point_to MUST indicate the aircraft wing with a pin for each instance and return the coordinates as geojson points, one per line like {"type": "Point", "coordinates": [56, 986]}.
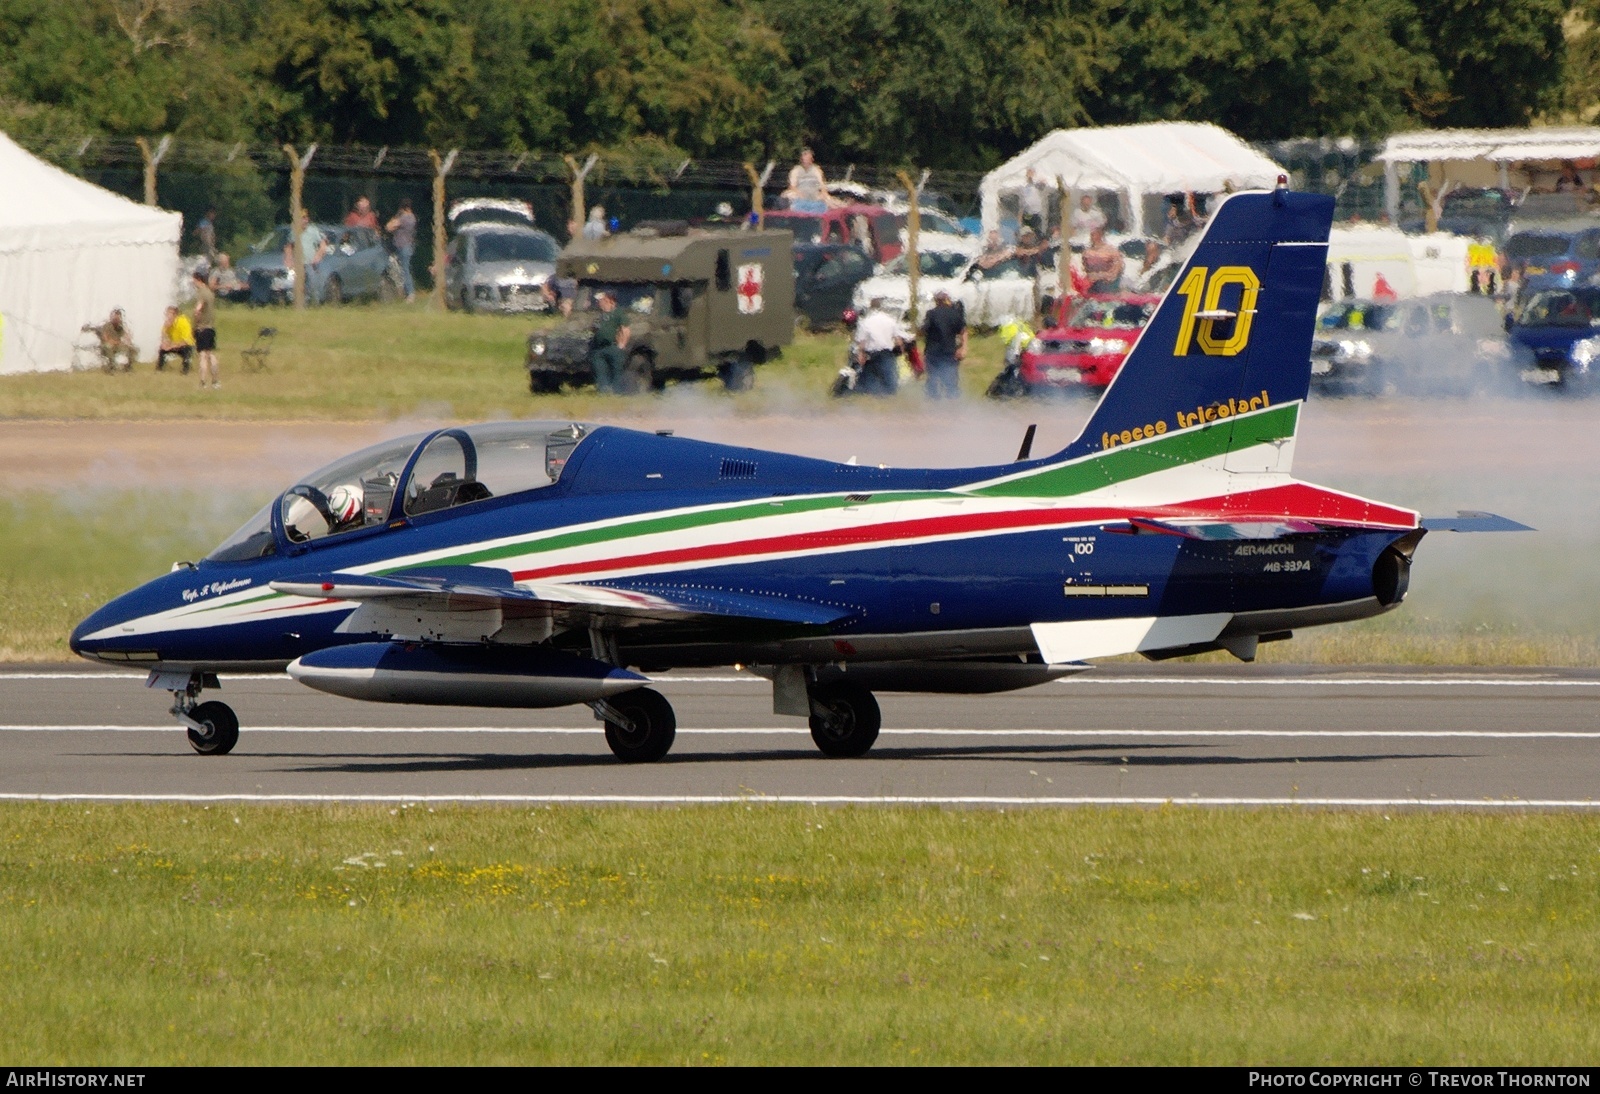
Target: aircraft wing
{"type": "Point", "coordinates": [1189, 528]}
{"type": "Point", "coordinates": [460, 602]}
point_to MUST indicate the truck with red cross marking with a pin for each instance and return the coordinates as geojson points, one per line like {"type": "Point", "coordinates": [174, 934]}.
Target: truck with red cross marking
{"type": "Point", "coordinates": [698, 303]}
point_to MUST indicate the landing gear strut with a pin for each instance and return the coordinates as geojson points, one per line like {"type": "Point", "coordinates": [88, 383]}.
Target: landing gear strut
{"type": "Point", "coordinates": [640, 725]}
{"type": "Point", "coordinates": [212, 727]}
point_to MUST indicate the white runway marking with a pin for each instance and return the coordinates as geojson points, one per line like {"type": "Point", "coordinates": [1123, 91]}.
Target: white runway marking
{"type": "Point", "coordinates": [1073, 681]}
{"type": "Point", "coordinates": [800, 731]}
{"type": "Point", "coordinates": [816, 799]}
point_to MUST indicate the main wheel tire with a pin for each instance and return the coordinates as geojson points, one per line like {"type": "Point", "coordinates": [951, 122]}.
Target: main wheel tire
{"type": "Point", "coordinates": [542, 383]}
{"type": "Point", "coordinates": [850, 726]}
{"type": "Point", "coordinates": [334, 293]}
{"type": "Point", "coordinates": [1007, 385]}
{"type": "Point", "coordinates": [222, 725]}
{"type": "Point", "coordinates": [653, 730]}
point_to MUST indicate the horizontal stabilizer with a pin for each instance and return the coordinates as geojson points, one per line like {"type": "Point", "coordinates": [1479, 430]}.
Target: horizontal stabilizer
{"type": "Point", "coordinates": [1468, 520]}
{"type": "Point", "coordinates": [1217, 529]}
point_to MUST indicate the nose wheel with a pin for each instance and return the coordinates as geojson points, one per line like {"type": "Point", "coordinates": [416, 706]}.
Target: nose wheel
{"type": "Point", "coordinates": [212, 727]}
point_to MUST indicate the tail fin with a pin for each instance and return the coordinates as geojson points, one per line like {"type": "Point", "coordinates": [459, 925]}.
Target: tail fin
{"type": "Point", "coordinates": [1233, 334]}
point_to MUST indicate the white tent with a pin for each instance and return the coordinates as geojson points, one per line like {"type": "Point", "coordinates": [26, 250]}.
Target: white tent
{"type": "Point", "coordinates": [1133, 160]}
{"type": "Point", "coordinates": [1486, 157]}
{"type": "Point", "coordinates": [69, 253]}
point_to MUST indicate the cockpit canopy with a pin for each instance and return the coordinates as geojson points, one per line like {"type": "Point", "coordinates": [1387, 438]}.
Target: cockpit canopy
{"type": "Point", "coordinates": [408, 477]}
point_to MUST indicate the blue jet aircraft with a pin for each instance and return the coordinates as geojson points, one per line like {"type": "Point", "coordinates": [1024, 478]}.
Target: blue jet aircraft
{"type": "Point", "coordinates": [538, 564]}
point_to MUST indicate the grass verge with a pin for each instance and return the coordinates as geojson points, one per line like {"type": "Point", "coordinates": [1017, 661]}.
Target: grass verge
{"type": "Point", "coordinates": [161, 935]}
{"type": "Point", "coordinates": [381, 362]}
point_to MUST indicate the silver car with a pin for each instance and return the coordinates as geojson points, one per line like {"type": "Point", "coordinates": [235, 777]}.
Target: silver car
{"type": "Point", "coordinates": [499, 267]}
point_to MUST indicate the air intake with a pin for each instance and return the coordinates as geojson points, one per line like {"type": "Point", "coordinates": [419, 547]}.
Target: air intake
{"type": "Point", "coordinates": [738, 469]}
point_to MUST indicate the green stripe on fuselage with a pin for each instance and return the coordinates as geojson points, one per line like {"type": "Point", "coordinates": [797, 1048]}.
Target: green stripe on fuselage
{"type": "Point", "coordinates": [1147, 457]}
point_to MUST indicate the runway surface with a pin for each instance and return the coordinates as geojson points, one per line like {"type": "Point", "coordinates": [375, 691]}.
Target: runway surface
{"type": "Point", "coordinates": [1190, 734]}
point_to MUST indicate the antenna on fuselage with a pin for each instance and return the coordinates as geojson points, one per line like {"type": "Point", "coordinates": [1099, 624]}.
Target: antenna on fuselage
{"type": "Point", "coordinates": [1027, 443]}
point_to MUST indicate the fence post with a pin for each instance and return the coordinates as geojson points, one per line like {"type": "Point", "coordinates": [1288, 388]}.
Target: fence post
{"type": "Point", "coordinates": [913, 230]}
{"type": "Point", "coordinates": [297, 179]}
{"type": "Point", "coordinates": [579, 210]}
{"type": "Point", "coordinates": [152, 160]}
{"type": "Point", "coordinates": [441, 168]}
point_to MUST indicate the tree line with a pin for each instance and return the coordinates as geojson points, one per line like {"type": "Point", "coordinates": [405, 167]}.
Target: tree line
{"type": "Point", "coordinates": [939, 83]}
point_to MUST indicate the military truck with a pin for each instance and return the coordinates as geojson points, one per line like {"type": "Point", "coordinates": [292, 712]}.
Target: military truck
{"type": "Point", "coordinates": [699, 303]}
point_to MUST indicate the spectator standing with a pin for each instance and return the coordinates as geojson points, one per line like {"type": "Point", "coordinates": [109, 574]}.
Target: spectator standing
{"type": "Point", "coordinates": [595, 227]}
{"type": "Point", "coordinates": [608, 347]}
{"type": "Point", "coordinates": [313, 247]}
{"type": "Point", "coordinates": [362, 216]}
{"type": "Point", "coordinates": [1102, 264]}
{"type": "Point", "coordinates": [205, 330]}
{"type": "Point", "coordinates": [177, 339]}
{"type": "Point", "coordinates": [1087, 217]}
{"type": "Point", "coordinates": [808, 187]}
{"type": "Point", "coordinates": [944, 346]}
{"type": "Point", "coordinates": [402, 229]}
{"type": "Point", "coordinates": [206, 233]}
{"type": "Point", "coordinates": [878, 335]}
{"type": "Point", "coordinates": [1031, 205]}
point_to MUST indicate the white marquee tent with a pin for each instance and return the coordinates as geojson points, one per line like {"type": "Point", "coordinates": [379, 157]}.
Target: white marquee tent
{"type": "Point", "coordinates": [69, 253]}
{"type": "Point", "coordinates": [1133, 161]}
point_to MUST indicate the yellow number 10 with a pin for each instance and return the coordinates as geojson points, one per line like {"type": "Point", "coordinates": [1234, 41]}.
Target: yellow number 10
{"type": "Point", "coordinates": [1202, 299]}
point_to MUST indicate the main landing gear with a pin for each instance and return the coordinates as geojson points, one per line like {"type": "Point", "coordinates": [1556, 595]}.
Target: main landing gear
{"type": "Point", "coordinates": [844, 718]}
{"type": "Point", "coordinates": [640, 725]}
{"type": "Point", "coordinates": [212, 727]}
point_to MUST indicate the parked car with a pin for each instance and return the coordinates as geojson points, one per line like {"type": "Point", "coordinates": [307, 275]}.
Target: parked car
{"type": "Point", "coordinates": [825, 276]}
{"type": "Point", "coordinates": [1555, 337]}
{"type": "Point", "coordinates": [1545, 257]}
{"type": "Point", "coordinates": [470, 211]}
{"type": "Point", "coordinates": [1083, 352]}
{"type": "Point", "coordinates": [357, 266]}
{"type": "Point", "coordinates": [494, 266]}
{"type": "Point", "coordinates": [872, 228]}
{"type": "Point", "coordinates": [1443, 344]}
{"type": "Point", "coordinates": [1473, 211]}
{"type": "Point", "coordinates": [1008, 289]}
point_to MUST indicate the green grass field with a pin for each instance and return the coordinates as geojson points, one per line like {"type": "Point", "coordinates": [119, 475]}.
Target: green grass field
{"type": "Point", "coordinates": [380, 362]}
{"type": "Point", "coordinates": [160, 935]}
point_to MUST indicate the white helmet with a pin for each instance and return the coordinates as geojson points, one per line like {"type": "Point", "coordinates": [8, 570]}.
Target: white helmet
{"type": "Point", "coordinates": [345, 502]}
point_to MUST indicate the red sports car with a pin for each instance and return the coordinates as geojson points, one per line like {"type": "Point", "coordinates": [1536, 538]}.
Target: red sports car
{"type": "Point", "coordinates": [1084, 352]}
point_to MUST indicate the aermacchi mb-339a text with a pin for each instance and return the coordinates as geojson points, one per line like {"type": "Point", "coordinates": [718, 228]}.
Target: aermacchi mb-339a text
{"type": "Point", "coordinates": [537, 564]}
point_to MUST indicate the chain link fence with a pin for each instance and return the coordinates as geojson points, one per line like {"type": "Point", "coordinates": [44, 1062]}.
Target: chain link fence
{"type": "Point", "coordinates": [248, 184]}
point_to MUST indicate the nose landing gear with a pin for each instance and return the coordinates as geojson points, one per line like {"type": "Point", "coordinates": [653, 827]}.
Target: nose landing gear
{"type": "Point", "coordinates": [212, 727]}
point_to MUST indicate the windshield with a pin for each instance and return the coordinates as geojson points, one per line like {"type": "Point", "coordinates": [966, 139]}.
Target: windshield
{"type": "Point", "coordinates": [633, 298]}
{"type": "Point", "coordinates": [274, 241]}
{"type": "Point", "coordinates": [1563, 308]}
{"type": "Point", "coordinates": [515, 247]}
{"type": "Point", "coordinates": [1527, 245]}
{"type": "Point", "coordinates": [1112, 314]}
{"type": "Point", "coordinates": [252, 540]}
{"type": "Point", "coordinates": [461, 466]}
{"type": "Point", "coordinates": [805, 229]}
{"type": "Point", "coordinates": [931, 263]}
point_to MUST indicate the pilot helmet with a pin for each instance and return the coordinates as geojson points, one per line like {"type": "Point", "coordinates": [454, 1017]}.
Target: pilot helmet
{"type": "Point", "coordinates": [345, 502]}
